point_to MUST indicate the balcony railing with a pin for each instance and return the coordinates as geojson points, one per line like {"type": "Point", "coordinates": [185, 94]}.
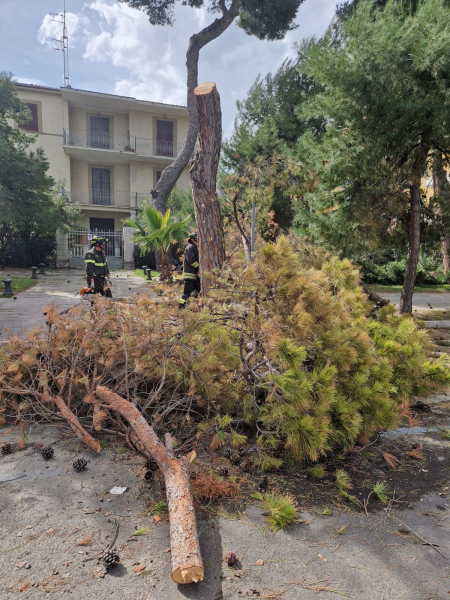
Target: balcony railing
{"type": "Point", "coordinates": [102, 197]}
{"type": "Point", "coordinates": [121, 143]}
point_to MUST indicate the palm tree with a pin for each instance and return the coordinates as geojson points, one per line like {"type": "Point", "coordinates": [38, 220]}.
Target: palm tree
{"type": "Point", "coordinates": [156, 231]}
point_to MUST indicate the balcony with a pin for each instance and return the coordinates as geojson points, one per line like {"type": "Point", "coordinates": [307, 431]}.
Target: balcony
{"type": "Point", "coordinates": [105, 198]}
{"type": "Point", "coordinates": [124, 145]}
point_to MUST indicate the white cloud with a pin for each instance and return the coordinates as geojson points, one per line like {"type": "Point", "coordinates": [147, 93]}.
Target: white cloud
{"type": "Point", "coordinates": [29, 80]}
{"type": "Point", "coordinates": [128, 41]}
{"type": "Point", "coordinates": [51, 28]}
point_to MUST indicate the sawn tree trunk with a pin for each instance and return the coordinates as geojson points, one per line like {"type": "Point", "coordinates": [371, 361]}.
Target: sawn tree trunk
{"type": "Point", "coordinates": [187, 564]}
{"type": "Point", "coordinates": [203, 173]}
{"type": "Point", "coordinates": [414, 246]}
{"type": "Point", "coordinates": [171, 173]}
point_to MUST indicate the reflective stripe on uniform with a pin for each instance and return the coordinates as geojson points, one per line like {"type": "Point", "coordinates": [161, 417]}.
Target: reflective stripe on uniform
{"type": "Point", "coordinates": [190, 276]}
{"type": "Point", "coordinates": [182, 301]}
{"type": "Point", "coordinates": [195, 264]}
{"type": "Point", "coordinates": [89, 261]}
{"type": "Point", "coordinates": [98, 264]}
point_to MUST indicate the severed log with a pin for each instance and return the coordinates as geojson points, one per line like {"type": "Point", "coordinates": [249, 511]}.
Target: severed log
{"type": "Point", "coordinates": [203, 174]}
{"type": "Point", "coordinates": [187, 564]}
{"type": "Point", "coordinates": [64, 411]}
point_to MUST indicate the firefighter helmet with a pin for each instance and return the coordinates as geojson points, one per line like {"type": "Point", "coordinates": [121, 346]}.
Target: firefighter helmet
{"type": "Point", "coordinates": [98, 240]}
{"type": "Point", "coordinates": [192, 236]}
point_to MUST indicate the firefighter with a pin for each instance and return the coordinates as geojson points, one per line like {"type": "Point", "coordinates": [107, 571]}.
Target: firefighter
{"type": "Point", "coordinates": [190, 270]}
{"type": "Point", "coordinates": [97, 272]}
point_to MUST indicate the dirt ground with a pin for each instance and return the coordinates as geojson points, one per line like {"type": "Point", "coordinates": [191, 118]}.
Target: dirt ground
{"type": "Point", "coordinates": [54, 522]}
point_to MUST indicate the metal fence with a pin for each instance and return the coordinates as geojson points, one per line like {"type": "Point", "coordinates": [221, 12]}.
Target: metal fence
{"type": "Point", "coordinates": [121, 143]}
{"type": "Point", "coordinates": [99, 197]}
{"type": "Point", "coordinates": [80, 242]}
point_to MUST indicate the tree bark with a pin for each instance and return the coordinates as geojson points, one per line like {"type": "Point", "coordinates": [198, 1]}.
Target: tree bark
{"type": "Point", "coordinates": [442, 190]}
{"type": "Point", "coordinates": [187, 564]}
{"type": "Point", "coordinates": [414, 245]}
{"type": "Point", "coordinates": [203, 173]}
{"type": "Point", "coordinates": [64, 411]}
{"type": "Point", "coordinates": [172, 172]}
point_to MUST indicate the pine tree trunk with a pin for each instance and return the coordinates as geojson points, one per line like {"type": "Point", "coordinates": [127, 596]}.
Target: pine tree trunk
{"type": "Point", "coordinates": [442, 190]}
{"type": "Point", "coordinates": [187, 564]}
{"type": "Point", "coordinates": [171, 173]}
{"type": "Point", "coordinates": [413, 248]}
{"type": "Point", "coordinates": [203, 174]}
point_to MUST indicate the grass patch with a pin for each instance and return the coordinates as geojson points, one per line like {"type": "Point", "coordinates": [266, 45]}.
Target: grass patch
{"type": "Point", "coordinates": [418, 288]}
{"type": "Point", "coordinates": [280, 510]}
{"type": "Point", "coordinates": [140, 273]}
{"type": "Point", "coordinates": [19, 284]}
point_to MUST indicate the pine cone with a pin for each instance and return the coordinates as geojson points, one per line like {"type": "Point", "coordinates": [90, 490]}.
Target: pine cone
{"type": "Point", "coordinates": [193, 475]}
{"type": "Point", "coordinates": [230, 558]}
{"type": "Point", "coordinates": [79, 464]}
{"type": "Point", "coordinates": [223, 471]}
{"type": "Point", "coordinates": [6, 449]}
{"type": "Point", "coordinates": [110, 558]}
{"type": "Point", "coordinates": [422, 406]}
{"type": "Point", "coordinates": [47, 452]}
{"type": "Point", "coordinates": [242, 450]}
{"type": "Point", "coordinates": [148, 476]}
{"type": "Point", "coordinates": [151, 465]}
{"type": "Point", "coordinates": [263, 484]}
{"type": "Point", "coordinates": [227, 452]}
{"type": "Point", "coordinates": [416, 446]}
{"type": "Point", "coordinates": [247, 465]}
{"type": "Point", "coordinates": [235, 459]}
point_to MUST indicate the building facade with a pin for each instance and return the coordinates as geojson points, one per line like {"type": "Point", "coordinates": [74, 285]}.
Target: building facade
{"type": "Point", "coordinates": [106, 154]}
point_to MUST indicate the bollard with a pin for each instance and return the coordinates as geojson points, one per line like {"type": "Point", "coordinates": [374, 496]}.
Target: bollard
{"type": "Point", "coordinates": [42, 265]}
{"type": "Point", "coordinates": [8, 290]}
{"type": "Point", "coordinates": [144, 269]}
{"type": "Point", "coordinates": [160, 292]}
{"type": "Point", "coordinates": [34, 273]}
{"type": "Point", "coordinates": [149, 275]}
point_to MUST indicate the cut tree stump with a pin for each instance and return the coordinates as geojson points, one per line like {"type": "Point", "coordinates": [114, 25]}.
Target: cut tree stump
{"type": "Point", "coordinates": [203, 174]}
{"type": "Point", "coordinates": [187, 564]}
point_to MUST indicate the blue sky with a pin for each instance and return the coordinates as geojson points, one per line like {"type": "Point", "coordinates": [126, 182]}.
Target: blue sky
{"type": "Point", "coordinates": [114, 49]}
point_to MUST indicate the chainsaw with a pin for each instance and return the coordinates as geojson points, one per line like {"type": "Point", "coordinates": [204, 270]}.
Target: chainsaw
{"type": "Point", "coordinates": [87, 290]}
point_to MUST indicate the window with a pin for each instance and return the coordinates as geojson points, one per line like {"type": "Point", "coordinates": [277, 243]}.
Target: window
{"type": "Point", "coordinates": [158, 176]}
{"type": "Point", "coordinates": [164, 138]}
{"type": "Point", "coordinates": [100, 137]}
{"type": "Point", "coordinates": [32, 125]}
{"type": "Point", "coordinates": [101, 186]}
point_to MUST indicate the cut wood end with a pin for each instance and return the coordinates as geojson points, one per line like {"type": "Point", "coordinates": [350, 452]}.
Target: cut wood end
{"type": "Point", "coordinates": [190, 575]}
{"type": "Point", "coordinates": [204, 88]}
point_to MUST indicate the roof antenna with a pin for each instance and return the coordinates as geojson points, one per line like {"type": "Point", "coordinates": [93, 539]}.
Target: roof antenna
{"type": "Point", "coordinates": [63, 43]}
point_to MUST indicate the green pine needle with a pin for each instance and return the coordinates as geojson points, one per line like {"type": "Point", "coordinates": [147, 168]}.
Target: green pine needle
{"type": "Point", "coordinates": [159, 508]}
{"type": "Point", "coordinates": [280, 510]}
{"type": "Point", "coordinates": [317, 471]}
{"type": "Point", "coordinates": [380, 490]}
{"type": "Point", "coordinates": [141, 531]}
{"type": "Point", "coordinates": [343, 481]}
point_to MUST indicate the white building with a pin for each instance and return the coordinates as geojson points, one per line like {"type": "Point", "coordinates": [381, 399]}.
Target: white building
{"type": "Point", "coordinates": [106, 152]}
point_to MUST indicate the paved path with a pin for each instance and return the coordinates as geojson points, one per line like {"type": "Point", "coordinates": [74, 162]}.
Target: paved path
{"type": "Point", "coordinates": [60, 287]}
{"type": "Point", "coordinates": [422, 300]}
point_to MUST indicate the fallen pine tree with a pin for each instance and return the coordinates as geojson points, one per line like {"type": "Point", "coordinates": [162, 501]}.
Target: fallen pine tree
{"type": "Point", "coordinates": [287, 350]}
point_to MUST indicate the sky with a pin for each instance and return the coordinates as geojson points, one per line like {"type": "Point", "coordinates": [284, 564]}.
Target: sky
{"type": "Point", "coordinates": [114, 49]}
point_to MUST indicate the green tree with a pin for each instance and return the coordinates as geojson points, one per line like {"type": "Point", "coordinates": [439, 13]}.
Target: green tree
{"type": "Point", "coordinates": [386, 103]}
{"type": "Point", "coordinates": [265, 19]}
{"type": "Point", "coordinates": [256, 160]}
{"type": "Point", "coordinates": [29, 206]}
{"type": "Point", "coordinates": [157, 231]}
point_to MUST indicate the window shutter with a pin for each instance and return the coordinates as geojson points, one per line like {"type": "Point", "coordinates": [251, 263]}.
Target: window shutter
{"type": "Point", "coordinates": [32, 125]}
